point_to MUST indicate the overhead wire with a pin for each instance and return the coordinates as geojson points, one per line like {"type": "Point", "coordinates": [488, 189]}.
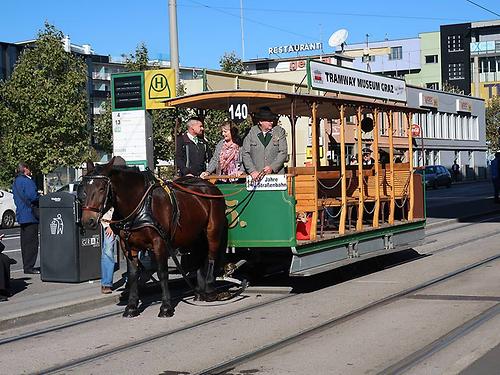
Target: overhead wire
{"type": "Point", "coordinates": [267, 10]}
{"type": "Point", "coordinates": [480, 6]}
{"type": "Point", "coordinates": [220, 10]}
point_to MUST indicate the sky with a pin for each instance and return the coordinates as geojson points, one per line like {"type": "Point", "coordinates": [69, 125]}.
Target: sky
{"type": "Point", "coordinates": [209, 28]}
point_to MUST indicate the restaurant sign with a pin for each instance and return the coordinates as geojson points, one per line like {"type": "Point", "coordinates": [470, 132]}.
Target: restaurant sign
{"type": "Point", "coordinates": [290, 48]}
{"type": "Point", "coordinates": [428, 100]}
{"type": "Point", "coordinates": [464, 105]}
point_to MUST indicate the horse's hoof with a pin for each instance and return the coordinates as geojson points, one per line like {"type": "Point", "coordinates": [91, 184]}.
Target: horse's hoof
{"type": "Point", "coordinates": [211, 297]}
{"type": "Point", "coordinates": [166, 312]}
{"type": "Point", "coordinates": [130, 312]}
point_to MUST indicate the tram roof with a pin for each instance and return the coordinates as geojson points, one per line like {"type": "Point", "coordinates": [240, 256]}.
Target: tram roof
{"type": "Point", "coordinates": [281, 102]}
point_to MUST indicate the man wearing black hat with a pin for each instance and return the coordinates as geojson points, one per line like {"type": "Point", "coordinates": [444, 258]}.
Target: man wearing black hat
{"type": "Point", "coordinates": [265, 148]}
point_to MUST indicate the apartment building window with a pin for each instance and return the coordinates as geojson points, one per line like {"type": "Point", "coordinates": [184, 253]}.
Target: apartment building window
{"type": "Point", "coordinates": [431, 59]}
{"type": "Point", "coordinates": [430, 125]}
{"type": "Point", "coordinates": [432, 85]}
{"type": "Point", "coordinates": [262, 67]}
{"type": "Point", "coordinates": [489, 64]}
{"type": "Point", "coordinates": [458, 127]}
{"type": "Point", "coordinates": [456, 70]}
{"type": "Point", "coordinates": [444, 126]}
{"type": "Point", "coordinates": [465, 127]}
{"type": "Point", "coordinates": [396, 53]}
{"type": "Point", "coordinates": [368, 58]}
{"type": "Point", "coordinates": [437, 126]}
{"type": "Point", "coordinates": [455, 43]}
{"type": "Point", "coordinates": [451, 126]}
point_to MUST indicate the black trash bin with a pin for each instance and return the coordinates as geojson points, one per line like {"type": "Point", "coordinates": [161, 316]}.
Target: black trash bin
{"type": "Point", "coordinates": [68, 253]}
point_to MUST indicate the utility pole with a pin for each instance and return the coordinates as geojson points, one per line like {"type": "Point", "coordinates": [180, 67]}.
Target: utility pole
{"type": "Point", "coordinates": [174, 42]}
{"type": "Point", "coordinates": [242, 34]}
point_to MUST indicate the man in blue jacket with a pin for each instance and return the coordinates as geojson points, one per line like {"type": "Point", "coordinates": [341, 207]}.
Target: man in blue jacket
{"type": "Point", "coordinates": [25, 196]}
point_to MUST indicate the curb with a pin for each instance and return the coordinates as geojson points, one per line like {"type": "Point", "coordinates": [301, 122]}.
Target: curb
{"type": "Point", "coordinates": [57, 312]}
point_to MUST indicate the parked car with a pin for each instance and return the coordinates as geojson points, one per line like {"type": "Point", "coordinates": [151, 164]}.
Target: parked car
{"type": "Point", "coordinates": [7, 209]}
{"type": "Point", "coordinates": [436, 176]}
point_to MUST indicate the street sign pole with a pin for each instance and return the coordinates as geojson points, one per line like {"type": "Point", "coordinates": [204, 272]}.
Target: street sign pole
{"type": "Point", "coordinates": [174, 40]}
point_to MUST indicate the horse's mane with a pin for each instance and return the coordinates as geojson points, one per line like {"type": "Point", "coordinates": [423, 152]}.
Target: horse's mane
{"type": "Point", "coordinates": [122, 168]}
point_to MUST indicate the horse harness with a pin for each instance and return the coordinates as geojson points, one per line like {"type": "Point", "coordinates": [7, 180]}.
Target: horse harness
{"type": "Point", "coordinates": [143, 217]}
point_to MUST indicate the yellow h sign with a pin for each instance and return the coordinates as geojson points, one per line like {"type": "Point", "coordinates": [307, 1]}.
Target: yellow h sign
{"type": "Point", "coordinates": [159, 86]}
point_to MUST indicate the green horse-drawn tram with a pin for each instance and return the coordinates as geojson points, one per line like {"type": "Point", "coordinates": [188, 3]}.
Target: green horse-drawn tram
{"type": "Point", "coordinates": [329, 209]}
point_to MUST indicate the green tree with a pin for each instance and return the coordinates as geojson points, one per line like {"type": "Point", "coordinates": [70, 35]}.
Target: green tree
{"type": "Point", "coordinates": [44, 115]}
{"type": "Point", "coordinates": [138, 61]}
{"type": "Point", "coordinates": [231, 63]}
{"type": "Point", "coordinates": [493, 123]}
{"type": "Point", "coordinates": [214, 118]}
{"type": "Point", "coordinates": [163, 120]}
{"type": "Point", "coordinates": [103, 130]}
{"type": "Point", "coordinates": [448, 87]}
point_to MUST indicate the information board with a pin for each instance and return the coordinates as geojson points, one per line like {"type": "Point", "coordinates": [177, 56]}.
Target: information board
{"type": "Point", "coordinates": [127, 91]}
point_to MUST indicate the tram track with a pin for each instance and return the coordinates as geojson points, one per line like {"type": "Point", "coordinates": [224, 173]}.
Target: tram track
{"type": "Point", "coordinates": [410, 361]}
{"type": "Point", "coordinates": [269, 348]}
{"type": "Point", "coordinates": [405, 364]}
{"type": "Point", "coordinates": [220, 368]}
{"type": "Point", "coordinates": [80, 361]}
{"type": "Point", "coordinates": [119, 311]}
{"type": "Point", "coordinates": [488, 218]}
{"type": "Point", "coordinates": [95, 318]}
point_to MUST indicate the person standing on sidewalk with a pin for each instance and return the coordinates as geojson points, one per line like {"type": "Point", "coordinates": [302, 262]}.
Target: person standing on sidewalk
{"type": "Point", "coordinates": [107, 255]}
{"type": "Point", "coordinates": [455, 169]}
{"type": "Point", "coordinates": [26, 198]}
{"type": "Point", "coordinates": [495, 175]}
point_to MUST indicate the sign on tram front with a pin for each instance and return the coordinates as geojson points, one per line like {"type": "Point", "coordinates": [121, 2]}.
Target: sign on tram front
{"type": "Point", "coordinates": [328, 77]}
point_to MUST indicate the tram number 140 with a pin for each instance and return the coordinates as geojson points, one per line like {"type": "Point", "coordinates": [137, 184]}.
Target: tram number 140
{"type": "Point", "coordinates": [238, 111]}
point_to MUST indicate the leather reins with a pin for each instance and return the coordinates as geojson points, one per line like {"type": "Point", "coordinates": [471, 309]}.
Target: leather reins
{"type": "Point", "coordinates": [204, 195]}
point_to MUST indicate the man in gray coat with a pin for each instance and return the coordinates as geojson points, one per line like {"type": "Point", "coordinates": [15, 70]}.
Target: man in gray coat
{"type": "Point", "coordinates": [265, 148]}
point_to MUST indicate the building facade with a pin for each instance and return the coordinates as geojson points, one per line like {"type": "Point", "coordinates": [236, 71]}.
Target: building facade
{"type": "Point", "coordinates": [485, 59]}
{"type": "Point", "coordinates": [453, 130]}
{"type": "Point", "coordinates": [429, 75]}
{"type": "Point", "coordinates": [396, 58]}
{"type": "Point", "coordinates": [9, 53]}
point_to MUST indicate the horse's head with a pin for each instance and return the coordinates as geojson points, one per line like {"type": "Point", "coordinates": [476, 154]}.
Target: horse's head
{"type": "Point", "coordinates": [94, 193]}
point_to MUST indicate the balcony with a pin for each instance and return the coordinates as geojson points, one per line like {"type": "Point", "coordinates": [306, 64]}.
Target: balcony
{"type": "Point", "coordinates": [101, 76]}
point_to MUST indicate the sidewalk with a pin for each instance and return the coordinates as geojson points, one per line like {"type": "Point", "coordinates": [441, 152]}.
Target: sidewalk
{"type": "Point", "coordinates": [35, 300]}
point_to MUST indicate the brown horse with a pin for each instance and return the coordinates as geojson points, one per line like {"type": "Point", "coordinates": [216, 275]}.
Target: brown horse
{"type": "Point", "coordinates": [157, 217]}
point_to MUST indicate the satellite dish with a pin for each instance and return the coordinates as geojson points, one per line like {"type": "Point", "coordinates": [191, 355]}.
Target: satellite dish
{"type": "Point", "coordinates": [338, 38]}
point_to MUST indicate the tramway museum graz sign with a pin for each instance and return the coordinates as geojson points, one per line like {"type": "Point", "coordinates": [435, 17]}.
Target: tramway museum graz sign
{"type": "Point", "coordinates": [323, 76]}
